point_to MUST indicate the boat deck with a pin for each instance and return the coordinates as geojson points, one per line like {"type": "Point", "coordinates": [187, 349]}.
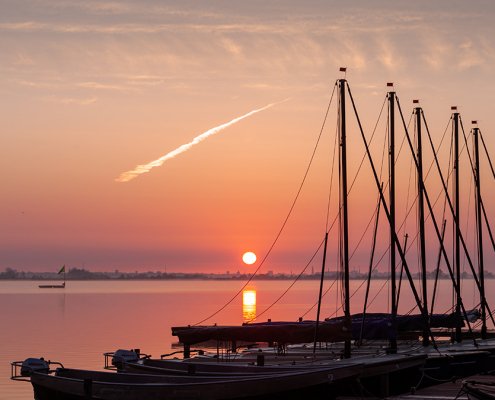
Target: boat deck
{"type": "Point", "coordinates": [444, 391]}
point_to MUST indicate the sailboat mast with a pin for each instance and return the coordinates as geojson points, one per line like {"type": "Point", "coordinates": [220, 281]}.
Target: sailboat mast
{"type": "Point", "coordinates": [321, 291]}
{"type": "Point", "coordinates": [458, 334]}
{"type": "Point", "coordinates": [480, 231]}
{"type": "Point", "coordinates": [343, 151]}
{"type": "Point", "coordinates": [391, 163]}
{"type": "Point", "coordinates": [421, 217]}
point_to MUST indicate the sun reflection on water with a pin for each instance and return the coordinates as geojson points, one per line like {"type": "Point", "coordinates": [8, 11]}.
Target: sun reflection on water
{"type": "Point", "coordinates": [249, 305]}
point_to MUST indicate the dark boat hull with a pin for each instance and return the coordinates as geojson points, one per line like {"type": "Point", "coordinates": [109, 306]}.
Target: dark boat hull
{"type": "Point", "coordinates": [479, 390]}
{"type": "Point", "coordinates": [442, 368]}
{"type": "Point", "coordinates": [51, 286]}
{"type": "Point", "coordinates": [75, 385]}
{"type": "Point", "coordinates": [172, 367]}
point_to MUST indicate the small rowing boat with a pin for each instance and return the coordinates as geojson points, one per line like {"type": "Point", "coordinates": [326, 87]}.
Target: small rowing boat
{"type": "Point", "coordinates": [74, 384]}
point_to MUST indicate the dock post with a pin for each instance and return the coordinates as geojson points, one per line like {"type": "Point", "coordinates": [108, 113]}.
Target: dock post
{"type": "Point", "coordinates": [384, 385]}
{"type": "Point", "coordinates": [187, 351]}
{"type": "Point", "coordinates": [260, 360]}
{"type": "Point", "coordinates": [234, 346]}
{"type": "Point", "coordinates": [88, 389]}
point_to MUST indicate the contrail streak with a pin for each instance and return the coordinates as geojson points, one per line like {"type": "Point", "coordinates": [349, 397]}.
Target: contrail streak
{"type": "Point", "coordinates": [141, 169]}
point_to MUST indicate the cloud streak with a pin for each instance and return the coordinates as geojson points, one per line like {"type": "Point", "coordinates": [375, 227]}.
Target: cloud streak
{"type": "Point", "coordinates": [141, 169]}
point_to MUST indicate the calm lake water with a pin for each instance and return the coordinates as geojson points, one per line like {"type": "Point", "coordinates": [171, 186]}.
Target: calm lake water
{"type": "Point", "coordinates": [76, 325]}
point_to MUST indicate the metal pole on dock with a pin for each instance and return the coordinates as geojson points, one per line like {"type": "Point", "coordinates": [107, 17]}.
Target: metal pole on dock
{"type": "Point", "coordinates": [479, 223]}
{"type": "Point", "coordinates": [343, 150]}
{"type": "Point", "coordinates": [391, 163]}
{"type": "Point", "coordinates": [458, 332]}
{"type": "Point", "coordinates": [421, 217]}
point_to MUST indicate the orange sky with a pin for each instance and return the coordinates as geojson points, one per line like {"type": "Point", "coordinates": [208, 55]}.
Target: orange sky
{"type": "Point", "coordinates": [91, 90]}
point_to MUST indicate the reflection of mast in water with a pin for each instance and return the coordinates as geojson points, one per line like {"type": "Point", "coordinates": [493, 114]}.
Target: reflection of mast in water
{"type": "Point", "coordinates": [61, 303]}
{"type": "Point", "coordinates": [248, 305]}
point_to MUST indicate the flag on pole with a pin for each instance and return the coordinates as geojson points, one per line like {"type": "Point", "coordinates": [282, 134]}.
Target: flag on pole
{"type": "Point", "coordinates": [62, 270]}
{"type": "Point", "coordinates": [343, 69]}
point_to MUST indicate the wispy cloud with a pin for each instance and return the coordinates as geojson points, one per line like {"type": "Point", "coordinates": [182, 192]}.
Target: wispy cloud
{"type": "Point", "coordinates": [39, 85]}
{"type": "Point", "coordinates": [140, 169]}
{"type": "Point", "coordinates": [82, 102]}
{"type": "Point", "coordinates": [95, 85]}
{"type": "Point", "coordinates": [151, 82]}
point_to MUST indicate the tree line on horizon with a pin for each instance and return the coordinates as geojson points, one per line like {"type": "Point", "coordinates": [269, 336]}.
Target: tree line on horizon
{"type": "Point", "coordinates": [83, 274]}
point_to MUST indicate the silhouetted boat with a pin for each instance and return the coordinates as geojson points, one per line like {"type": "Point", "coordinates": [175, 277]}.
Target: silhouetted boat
{"type": "Point", "coordinates": [379, 326]}
{"type": "Point", "coordinates": [73, 384]}
{"type": "Point", "coordinates": [176, 367]}
{"type": "Point", "coordinates": [62, 286]}
{"type": "Point", "coordinates": [479, 390]}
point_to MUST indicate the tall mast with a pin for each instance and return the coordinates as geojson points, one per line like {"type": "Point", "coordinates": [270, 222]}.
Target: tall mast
{"type": "Point", "coordinates": [321, 291]}
{"type": "Point", "coordinates": [421, 217]}
{"type": "Point", "coordinates": [458, 334]}
{"type": "Point", "coordinates": [343, 152]}
{"type": "Point", "coordinates": [480, 231]}
{"type": "Point", "coordinates": [391, 163]}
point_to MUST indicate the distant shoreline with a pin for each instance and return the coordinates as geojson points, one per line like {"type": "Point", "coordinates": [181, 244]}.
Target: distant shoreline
{"type": "Point", "coordinates": [75, 274]}
{"type": "Point", "coordinates": [233, 278]}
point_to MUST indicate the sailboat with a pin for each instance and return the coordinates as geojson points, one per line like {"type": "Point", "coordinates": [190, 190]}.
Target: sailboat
{"type": "Point", "coordinates": [62, 286]}
{"type": "Point", "coordinates": [444, 357]}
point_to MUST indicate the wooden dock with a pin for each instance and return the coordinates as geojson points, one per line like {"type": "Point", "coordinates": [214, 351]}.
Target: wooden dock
{"type": "Point", "coordinates": [444, 391]}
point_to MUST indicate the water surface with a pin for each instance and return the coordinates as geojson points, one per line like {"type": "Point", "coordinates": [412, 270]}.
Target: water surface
{"type": "Point", "coordinates": [76, 325]}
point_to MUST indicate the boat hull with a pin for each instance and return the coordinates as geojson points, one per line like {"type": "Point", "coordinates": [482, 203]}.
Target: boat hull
{"type": "Point", "coordinates": [51, 286]}
{"type": "Point", "coordinates": [479, 390]}
{"type": "Point", "coordinates": [173, 367]}
{"type": "Point", "coordinates": [69, 384]}
{"type": "Point", "coordinates": [448, 366]}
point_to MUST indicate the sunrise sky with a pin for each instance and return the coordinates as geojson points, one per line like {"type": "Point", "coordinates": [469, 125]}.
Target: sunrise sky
{"type": "Point", "coordinates": [90, 90]}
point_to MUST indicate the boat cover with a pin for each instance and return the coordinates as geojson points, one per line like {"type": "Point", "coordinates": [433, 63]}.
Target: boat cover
{"type": "Point", "coordinates": [381, 325]}
{"type": "Point", "coordinates": [376, 326]}
{"type": "Point", "coordinates": [280, 332]}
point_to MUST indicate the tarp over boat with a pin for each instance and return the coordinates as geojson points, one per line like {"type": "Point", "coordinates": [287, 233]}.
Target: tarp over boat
{"type": "Point", "coordinates": [376, 326]}
{"type": "Point", "coordinates": [280, 332]}
{"type": "Point", "coordinates": [382, 326]}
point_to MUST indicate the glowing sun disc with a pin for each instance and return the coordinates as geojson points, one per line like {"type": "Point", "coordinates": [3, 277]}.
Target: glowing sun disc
{"type": "Point", "coordinates": [249, 258]}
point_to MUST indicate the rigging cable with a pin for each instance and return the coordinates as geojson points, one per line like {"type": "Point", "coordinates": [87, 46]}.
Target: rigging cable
{"type": "Point", "coordinates": [487, 155]}
{"type": "Point", "coordinates": [435, 294]}
{"type": "Point", "coordinates": [400, 227]}
{"type": "Point", "coordinates": [286, 219]}
{"type": "Point", "coordinates": [338, 215]}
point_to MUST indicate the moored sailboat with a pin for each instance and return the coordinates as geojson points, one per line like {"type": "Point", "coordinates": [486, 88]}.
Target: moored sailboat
{"type": "Point", "coordinates": [421, 324]}
{"type": "Point", "coordinates": [62, 286]}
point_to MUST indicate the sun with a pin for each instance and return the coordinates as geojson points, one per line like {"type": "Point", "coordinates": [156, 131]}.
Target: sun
{"type": "Point", "coordinates": [249, 258]}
